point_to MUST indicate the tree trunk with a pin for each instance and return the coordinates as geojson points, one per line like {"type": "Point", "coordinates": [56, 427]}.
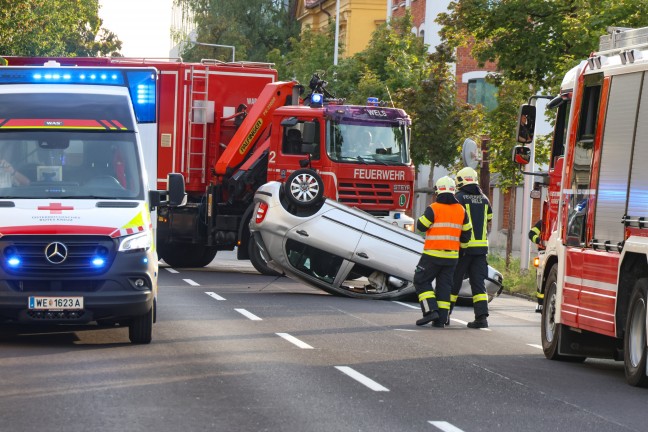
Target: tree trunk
{"type": "Point", "coordinates": [511, 226]}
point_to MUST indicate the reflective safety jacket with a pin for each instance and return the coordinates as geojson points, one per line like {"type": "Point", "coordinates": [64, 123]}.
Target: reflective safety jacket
{"type": "Point", "coordinates": [479, 213]}
{"type": "Point", "coordinates": [534, 233]}
{"type": "Point", "coordinates": [447, 226]}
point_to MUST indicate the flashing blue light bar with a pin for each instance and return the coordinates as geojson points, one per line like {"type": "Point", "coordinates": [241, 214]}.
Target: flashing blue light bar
{"type": "Point", "coordinates": [141, 83]}
{"type": "Point", "coordinates": [372, 101]}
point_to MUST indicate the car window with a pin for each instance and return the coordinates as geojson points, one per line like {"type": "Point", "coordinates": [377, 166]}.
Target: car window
{"type": "Point", "coordinates": [312, 261]}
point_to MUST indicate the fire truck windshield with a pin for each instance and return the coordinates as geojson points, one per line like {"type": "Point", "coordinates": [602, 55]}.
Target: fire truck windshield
{"type": "Point", "coordinates": [373, 143]}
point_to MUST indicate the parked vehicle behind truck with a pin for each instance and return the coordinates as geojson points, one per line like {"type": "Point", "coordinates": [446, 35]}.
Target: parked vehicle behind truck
{"type": "Point", "coordinates": [76, 238]}
{"type": "Point", "coordinates": [593, 272]}
{"type": "Point", "coordinates": [231, 127]}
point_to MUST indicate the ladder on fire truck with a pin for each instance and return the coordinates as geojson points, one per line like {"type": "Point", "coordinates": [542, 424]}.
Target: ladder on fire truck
{"type": "Point", "coordinates": [197, 146]}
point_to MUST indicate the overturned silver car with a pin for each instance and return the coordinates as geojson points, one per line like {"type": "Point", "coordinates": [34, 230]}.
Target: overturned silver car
{"type": "Point", "coordinates": [339, 249]}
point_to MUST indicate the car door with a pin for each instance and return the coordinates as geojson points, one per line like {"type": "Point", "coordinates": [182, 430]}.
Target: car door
{"type": "Point", "coordinates": [389, 249]}
{"type": "Point", "coordinates": [319, 246]}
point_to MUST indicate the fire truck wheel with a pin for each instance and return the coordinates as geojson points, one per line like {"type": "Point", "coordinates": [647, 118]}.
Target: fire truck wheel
{"type": "Point", "coordinates": [258, 261]}
{"type": "Point", "coordinates": [550, 330]}
{"type": "Point", "coordinates": [181, 256]}
{"type": "Point", "coordinates": [634, 342]}
{"type": "Point", "coordinates": [304, 188]}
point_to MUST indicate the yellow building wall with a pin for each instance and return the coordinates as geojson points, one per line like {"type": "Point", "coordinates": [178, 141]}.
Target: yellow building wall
{"type": "Point", "coordinates": [358, 20]}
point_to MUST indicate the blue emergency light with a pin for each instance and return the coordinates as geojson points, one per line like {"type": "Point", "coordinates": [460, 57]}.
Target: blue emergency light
{"type": "Point", "coordinates": [141, 83]}
{"type": "Point", "coordinates": [317, 100]}
{"type": "Point", "coordinates": [372, 101]}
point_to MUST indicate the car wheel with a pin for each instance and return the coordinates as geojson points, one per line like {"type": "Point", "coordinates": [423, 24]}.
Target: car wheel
{"type": "Point", "coordinates": [304, 188]}
{"type": "Point", "coordinates": [634, 342]}
{"type": "Point", "coordinates": [180, 256]}
{"type": "Point", "coordinates": [257, 260]}
{"type": "Point", "coordinates": [140, 329]}
{"type": "Point", "coordinates": [550, 330]}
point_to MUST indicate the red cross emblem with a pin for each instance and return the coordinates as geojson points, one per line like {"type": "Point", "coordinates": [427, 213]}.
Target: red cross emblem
{"type": "Point", "coordinates": [55, 208]}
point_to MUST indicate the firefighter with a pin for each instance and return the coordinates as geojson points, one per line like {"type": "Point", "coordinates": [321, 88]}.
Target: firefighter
{"type": "Point", "coordinates": [446, 227]}
{"type": "Point", "coordinates": [473, 258]}
{"type": "Point", "coordinates": [534, 233]}
{"type": "Point", "coordinates": [534, 236]}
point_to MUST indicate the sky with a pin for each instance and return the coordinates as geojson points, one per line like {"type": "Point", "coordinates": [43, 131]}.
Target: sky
{"type": "Point", "coordinates": [143, 26]}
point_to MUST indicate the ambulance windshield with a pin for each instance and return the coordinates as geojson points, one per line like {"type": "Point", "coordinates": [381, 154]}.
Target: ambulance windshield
{"type": "Point", "coordinates": [69, 164]}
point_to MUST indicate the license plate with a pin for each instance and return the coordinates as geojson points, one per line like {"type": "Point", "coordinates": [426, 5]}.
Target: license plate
{"type": "Point", "coordinates": [55, 303]}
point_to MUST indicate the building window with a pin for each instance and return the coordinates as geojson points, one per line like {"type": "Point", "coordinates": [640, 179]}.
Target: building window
{"type": "Point", "coordinates": [482, 92]}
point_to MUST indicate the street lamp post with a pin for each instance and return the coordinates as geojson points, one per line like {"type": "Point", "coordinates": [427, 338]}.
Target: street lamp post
{"type": "Point", "coordinates": [337, 32]}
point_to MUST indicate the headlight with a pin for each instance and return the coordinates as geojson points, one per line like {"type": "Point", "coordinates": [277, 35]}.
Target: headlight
{"type": "Point", "coordinates": [409, 227]}
{"type": "Point", "coordinates": [136, 242]}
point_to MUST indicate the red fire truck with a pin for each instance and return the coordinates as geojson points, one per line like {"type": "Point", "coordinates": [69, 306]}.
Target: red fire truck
{"type": "Point", "coordinates": [231, 127]}
{"type": "Point", "coordinates": [593, 271]}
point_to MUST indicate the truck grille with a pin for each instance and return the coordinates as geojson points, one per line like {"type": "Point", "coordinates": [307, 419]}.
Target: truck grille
{"type": "Point", "coordinates": [80, 252]}
{"type": "Point", "coordinates": [366, 194]}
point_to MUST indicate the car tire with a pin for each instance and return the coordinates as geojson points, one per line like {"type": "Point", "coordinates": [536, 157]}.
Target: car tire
{"type": "Point", "coordinates": [634, 341]}
{"type": "Point", "coordinates": [304, 188]}
{"type": "Point", "coordinates": [257, 260]}
{"type": "Point", "coordinates": [550, 331]}
{"type": "Point", "coordinates": [140, 329]}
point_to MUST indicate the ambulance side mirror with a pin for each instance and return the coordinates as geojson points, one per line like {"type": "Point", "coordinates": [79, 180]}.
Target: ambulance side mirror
{"type": "Point", "coordinates": [521, 155]}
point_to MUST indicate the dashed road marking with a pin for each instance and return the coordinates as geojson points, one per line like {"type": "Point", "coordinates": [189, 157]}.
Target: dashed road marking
{"type": "Point", "coordinates": [170, 270]}
{"type": "Point", "coordinates": [407, 305]}
{"type": "Point", "coordinates": [214, 295]}
{"type": "Point", "coordinates": [535, 346]}
{"type": "Point", "coordinates": [294, 340]}
{"type": "Point", "coordinates": [373, 385]}
{"type": "Point", "coordinates": [445, 426]}
{"type": "Point", "coordinates": [249, 315]}
{"type": "Point", "coordinates": [190, 282]}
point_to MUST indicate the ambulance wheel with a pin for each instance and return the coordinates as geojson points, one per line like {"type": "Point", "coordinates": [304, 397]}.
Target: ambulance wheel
{"type": "Point", "coordinates": [257, 260]}
{"type": "Point", "coordinates": [550, 330]}
{"type": "Point", "coordinates": [140, 329]}
{"type": "Point", "coordinates": [634, 342]}
{"type": "Point", "coordinates": [304, 188]}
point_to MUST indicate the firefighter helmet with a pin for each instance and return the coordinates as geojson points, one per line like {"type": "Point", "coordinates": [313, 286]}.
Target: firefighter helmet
{"type": "Point", "coordinates": [466, 176]}
{"type": "Point", "coordinates": [444, 185]}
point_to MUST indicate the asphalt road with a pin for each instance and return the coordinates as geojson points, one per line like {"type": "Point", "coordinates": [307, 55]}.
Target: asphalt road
{"type": "Point", "coordinates": [237, 351]}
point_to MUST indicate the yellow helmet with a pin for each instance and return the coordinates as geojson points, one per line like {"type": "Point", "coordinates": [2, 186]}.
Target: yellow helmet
{"type": "Point", "coordinates": [444, 185]}
{"type": "Point", "coordinates": [466, 176]}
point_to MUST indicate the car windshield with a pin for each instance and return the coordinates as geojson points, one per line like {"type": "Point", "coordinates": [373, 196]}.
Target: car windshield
{"type": "Point", "coordinates": [371, 143]}
{"type": "Point", "coordinates": [69, 164]}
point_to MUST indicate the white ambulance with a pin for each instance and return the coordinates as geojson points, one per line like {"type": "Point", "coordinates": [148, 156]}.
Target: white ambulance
{"type": "Point", "coordinates": [76, 238]}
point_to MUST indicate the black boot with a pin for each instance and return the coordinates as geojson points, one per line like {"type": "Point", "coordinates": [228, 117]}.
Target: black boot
{"type": "Point", "coordinates": [480, 322]}
{"type": "Point", "coordinates": [428, 317]}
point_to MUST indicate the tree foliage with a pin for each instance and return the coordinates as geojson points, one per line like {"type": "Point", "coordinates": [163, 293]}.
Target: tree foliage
{"type": "Point", "coordinates": [54, 28]}
{"type": "Point", "coordinates": [253, 27]}
{"type": "Point", "coordinates": [534, 43]}
{"type": "Point", "coordinates": [537, 41]}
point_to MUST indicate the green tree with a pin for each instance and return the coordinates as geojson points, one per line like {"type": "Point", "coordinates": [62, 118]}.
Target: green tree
{"type": "Point", "coordinates": [537, 41]}
{"type": "Point", "coordinates": [253, 27]}
{"type": "Point", "coordinates": [54, 28]}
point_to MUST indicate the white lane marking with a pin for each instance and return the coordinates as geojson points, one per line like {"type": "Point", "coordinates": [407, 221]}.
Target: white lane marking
{"type": "Point", "coordinates": [294, 340]}
{"type": "Point", "coordinates": [535, 346]}
{"type": "Point", "coordinates": [459, 321]}
{"type": "Point", "coordinates": [407, 305]}
{"type": "Point", "coordinates": [190, 282]}
{"type": "Point", "coordinates": [409, 330]}
{"type": "Point", "coordinates": [248, 314]}
{"type": "Point", "coordinates": [214, 295]}
{"type": "Point", "coordinates": [445, 426]}
{"type": "Point", "coordinates": [170, 270]}
{"type": "Point", "coordinates": [373, 385]}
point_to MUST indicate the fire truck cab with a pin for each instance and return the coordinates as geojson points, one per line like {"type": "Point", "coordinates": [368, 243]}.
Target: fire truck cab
{"type": "Point", "coordinates": [593, 272]}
